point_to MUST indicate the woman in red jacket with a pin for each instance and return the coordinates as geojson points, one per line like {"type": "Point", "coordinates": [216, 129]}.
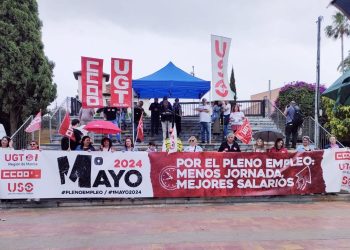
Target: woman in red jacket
{"type": "Point", "coordinates": [279, 146]}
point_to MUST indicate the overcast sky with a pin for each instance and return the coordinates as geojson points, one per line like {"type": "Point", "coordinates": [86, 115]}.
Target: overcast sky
{"type": "Point", "coordinates": [271, 39]}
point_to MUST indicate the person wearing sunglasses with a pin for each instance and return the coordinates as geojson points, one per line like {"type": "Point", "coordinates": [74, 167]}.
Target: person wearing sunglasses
{"type": "Point", "coordinates": [193, 147]}
{"type": "Point", "coordinates": [33, 145]}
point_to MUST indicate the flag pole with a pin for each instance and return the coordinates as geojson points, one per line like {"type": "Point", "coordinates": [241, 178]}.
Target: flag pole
{"type": "Point", "coordinates": [210, 100]}
{"type": "Point", "coordinates": [68, 114]}
{"type": "Point", "coordinates": [40, 130]}
{"type": "Point", "coordinates": [137, 131]}
{"type": "Point", "coordinates": [132, 117]}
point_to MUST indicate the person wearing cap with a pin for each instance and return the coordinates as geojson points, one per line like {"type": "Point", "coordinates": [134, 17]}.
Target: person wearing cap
{"type": "Point", "coordinates": [291, 129]}
{"type": "Point", "coordinates": [306, 146]}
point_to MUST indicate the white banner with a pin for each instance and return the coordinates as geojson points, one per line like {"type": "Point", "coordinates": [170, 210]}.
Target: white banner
{"type": "Point", "coordinates": [78, 174]}
{"type": "Point", "coordinates": [62, 174]}
{"type": "Point", "coordinates": [220, 85]}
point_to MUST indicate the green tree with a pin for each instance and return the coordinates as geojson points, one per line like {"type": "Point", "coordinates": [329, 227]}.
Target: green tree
{"type": "Point", "coordinates": [338, 122]}
{"type": "Point", "coordinates": [346, 63]}
{"type": "Point", "coordinates": [302, 93]}
{"type": "Point", "coordinates": [339, 28]}
{"type": "Point", "coordinates": [26, 73]}
{"type": "Point", "coordinates": [233, 84]}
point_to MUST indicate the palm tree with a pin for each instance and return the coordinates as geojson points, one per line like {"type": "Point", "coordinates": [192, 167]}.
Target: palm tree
{"type": "Point", "coordinates": [340, 28]}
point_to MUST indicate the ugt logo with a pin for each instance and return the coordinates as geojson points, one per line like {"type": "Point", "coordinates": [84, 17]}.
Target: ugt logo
{"type": "Point", "coordinates": [81, 171]}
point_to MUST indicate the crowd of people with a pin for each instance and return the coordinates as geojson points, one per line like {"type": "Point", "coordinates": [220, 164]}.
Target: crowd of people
{"type": "Point", "coordinates": [229, 145]}
{"type": "Point", "coordinates": [169, 116]}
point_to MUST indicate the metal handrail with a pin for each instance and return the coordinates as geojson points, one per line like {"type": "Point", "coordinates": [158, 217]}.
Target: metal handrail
{"type": "Point", "coordinates": [17, 131]}
{"type": "Point", "coordinates": [59, 107]}
{"type": "Point", "coordinates": [324, 130]}
{"type": "Point", "coordinates": [277, 116]}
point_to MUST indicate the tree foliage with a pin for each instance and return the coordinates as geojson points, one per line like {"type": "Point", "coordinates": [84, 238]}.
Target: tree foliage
{"type": "Point", "coordinates": [233, 84]}
{"type": "Point", "coordinates": [338, 122]}
{"type": "Point", "coordinates": [339, 28]}
{"type": "Point", "coordinates": [25, 72]}
{"type": "Point", "coordinates": [302, 93]}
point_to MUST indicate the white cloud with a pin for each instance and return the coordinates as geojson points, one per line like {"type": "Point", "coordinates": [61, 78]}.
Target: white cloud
{"type": "Point", "coordinates": [271, 40]}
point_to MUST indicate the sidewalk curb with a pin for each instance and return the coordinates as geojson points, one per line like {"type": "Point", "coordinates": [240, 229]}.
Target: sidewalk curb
{"type": "Point", "coordinates": [56, 203]}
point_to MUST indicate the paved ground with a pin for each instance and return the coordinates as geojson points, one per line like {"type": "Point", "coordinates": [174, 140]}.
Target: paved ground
{"type": "Point", "coordinates": [269, 225]}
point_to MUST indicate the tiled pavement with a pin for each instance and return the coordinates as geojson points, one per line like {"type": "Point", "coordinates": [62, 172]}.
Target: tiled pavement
{"type": "Point", "coordinates": [265, 225]}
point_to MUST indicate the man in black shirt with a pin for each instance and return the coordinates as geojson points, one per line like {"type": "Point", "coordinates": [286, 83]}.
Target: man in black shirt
{"type": "Point", "coordinates": [111, 114]}
{"type": "Point", "coordinates": [229, 145]}
{"type": "Point", "coordinates": [155, 113]}
{"type": "Point", "coordinates": [66, 142]}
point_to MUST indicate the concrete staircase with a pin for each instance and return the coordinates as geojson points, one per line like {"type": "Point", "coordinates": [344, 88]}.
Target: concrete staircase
{"type": "Point", "coordinates": [190, 126]}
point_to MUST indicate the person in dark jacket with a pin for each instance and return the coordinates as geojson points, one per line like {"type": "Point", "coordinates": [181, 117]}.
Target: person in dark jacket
{"type": "Point", "coordinates": [86, 144]}
{"type": "Point", "coordinates": [67, 143]}
{"type": "Point", "coordinates": [229, 145]}
{"type": "Point", "coordinates": [155, 114]}
{"type": "Point", "coordinates": [166, 117]}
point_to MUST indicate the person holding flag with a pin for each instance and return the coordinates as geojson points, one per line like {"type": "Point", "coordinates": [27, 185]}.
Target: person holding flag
{"type": "Point", "coordinates": [72, 135]}
{"type": "Point", "coordinates": [244, 132]}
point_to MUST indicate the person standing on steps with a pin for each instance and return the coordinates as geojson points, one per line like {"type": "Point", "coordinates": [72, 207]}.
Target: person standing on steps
{"type": "Point", "coordinates": [155, 113]}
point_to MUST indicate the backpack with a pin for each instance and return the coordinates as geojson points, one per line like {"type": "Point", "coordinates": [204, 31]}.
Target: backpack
{"type": "Point", "coordinates": [298, 117]}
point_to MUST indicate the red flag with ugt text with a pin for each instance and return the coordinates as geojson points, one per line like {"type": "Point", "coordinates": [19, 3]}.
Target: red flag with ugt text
{"type": "Point", "coordinates": [121, 82]}
{"type": "Point", "coordinates": [140, 134]}
{"type": "Point", "coordinates": [35, 124]}
{"type": "Point", "coordinates": [244, 132]}
{"type": "Point", "coordinates": [66, 128]}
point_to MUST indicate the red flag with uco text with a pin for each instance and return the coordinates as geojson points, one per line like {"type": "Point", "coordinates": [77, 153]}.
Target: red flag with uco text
{"type": "Point", "coordinates": [66, 128]}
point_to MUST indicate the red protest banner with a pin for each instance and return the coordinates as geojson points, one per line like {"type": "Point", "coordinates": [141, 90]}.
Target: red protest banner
{"type": "Point", "coordinates": [244, 132]}
{"type": "Point", "coordinates": [91, 82]}
{"type": "Point", "coordinates": [213, 174]}
{"type": "Point", "coordinates": [121, 82]}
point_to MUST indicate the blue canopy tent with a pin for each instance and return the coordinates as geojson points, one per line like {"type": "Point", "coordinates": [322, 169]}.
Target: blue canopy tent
{"type": "Point", "coordinates": [172, 82]}
{"type": "Point", "coordinates": [343, 5]}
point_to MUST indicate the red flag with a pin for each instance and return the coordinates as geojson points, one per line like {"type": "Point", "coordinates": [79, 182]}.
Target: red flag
{"type": "Point", "coordinates": [35, 124]}
{"type": "Point", "coordinates": [140, 134]}
{"type": "Point", "coordinates": [121, 83]}
{"type": "Point", "coordinates": [91, 82]}
{"type": "Point", "coordinates": [66, 128]}
{"type": "Point", "coordinates": [244, 132]}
